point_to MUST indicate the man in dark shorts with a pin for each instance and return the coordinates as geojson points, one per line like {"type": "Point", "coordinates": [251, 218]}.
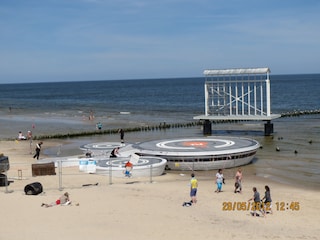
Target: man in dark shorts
{"type": "Point", "coordinates": [193, 189]}
{"type": "Point", "coordinates": [257, 202]}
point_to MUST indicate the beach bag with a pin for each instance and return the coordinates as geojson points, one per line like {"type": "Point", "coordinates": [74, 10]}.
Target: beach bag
{"type": "Point", "coordinates": [187, 204]}
{"type": "Point", "coordinates": [33, 188]}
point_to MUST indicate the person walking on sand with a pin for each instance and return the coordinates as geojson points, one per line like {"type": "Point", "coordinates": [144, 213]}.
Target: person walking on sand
{"type": "Point", "coordinates": [193, 189]}
{"type": "Point", "coordinates": [219, 180]}
{"type": "Point", "coordinates": [38, 149]}
{"type": "Point", "coordinates": [238, 179]}
{"type": "Point", "coordinates": [257, 202]}
{"type": "Point", "coordinates": [267, 200]}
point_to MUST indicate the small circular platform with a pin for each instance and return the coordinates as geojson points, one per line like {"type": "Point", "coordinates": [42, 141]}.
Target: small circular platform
{"type": "Point", "coordinates": [102, 146]}
{"type": "Point", "coordinates": [121, 161]}
{"type": "Point", "coordinates": [143, 166]}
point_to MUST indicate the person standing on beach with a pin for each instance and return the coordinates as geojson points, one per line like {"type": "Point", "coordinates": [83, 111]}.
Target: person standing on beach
{"type": "Point", "coordinates": [267, 200]}
{"type": "Point", "coordinates": [238, 179]}
{"type": "Point", "coordinates": [121, 135]}
{"type": "Point", "coordinates": [219, 180]}
{"type": "Point", "coordinates": [38, 149]}
{"type": "Point", "coordinates": [193, 189]}
{"type": "Point", "coordinates": [99, 126]}
{"type": "Point", "coordinates": [29, 137]}
{"type": "Point", "coordinates": [91, 116]}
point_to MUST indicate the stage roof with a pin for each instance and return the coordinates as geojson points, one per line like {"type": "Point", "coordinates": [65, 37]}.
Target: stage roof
{"type": "Point", "coordinates": [236, 71]}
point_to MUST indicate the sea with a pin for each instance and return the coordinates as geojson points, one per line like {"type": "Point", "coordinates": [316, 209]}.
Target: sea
{"type": "Point", "coordinates": [48, 108]}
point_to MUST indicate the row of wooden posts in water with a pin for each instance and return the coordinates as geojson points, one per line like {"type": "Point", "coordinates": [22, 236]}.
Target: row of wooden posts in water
{"type": "Point", "coordinates": [162, 126]}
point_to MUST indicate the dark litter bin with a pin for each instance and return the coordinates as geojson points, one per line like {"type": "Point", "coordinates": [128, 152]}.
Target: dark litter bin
{"type": "Point", "coordinates": [4, 163]}
{"type": "Point", "coordinates": [33, 188]}
{"type": "Point", "coordinates": [4, 181]}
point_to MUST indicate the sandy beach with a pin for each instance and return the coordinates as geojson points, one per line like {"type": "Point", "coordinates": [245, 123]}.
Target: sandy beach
{"type": "Point", "coordinates": [141, 208]}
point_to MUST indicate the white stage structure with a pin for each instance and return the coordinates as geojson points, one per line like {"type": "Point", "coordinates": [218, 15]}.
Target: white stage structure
{"type": "Point", "coordinates": [237, 94]}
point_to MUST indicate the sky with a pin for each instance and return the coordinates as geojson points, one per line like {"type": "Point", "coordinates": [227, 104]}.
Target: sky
{"type": "Point", "coordinates": [81, 40]}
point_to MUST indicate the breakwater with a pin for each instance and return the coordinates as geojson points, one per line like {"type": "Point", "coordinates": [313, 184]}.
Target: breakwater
{"type": "Point", "coordinates": [156, 127]}
{"type": "Point", "coordinates": [160, 127]}
{"type": "Point", "coordinates": [298, 113]}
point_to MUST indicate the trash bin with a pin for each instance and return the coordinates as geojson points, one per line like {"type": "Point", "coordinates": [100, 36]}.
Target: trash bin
{"type": "Point", "coordinates": [33, 188]}
{"type": "Point", "coordinates": [4, 163]}
{"type": "Point", "coordinates": [4, 181]}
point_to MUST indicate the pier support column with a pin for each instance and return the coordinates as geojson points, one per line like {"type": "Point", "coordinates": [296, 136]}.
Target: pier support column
{"type": "Point", "coordinates": [207, 127]}
{"type": "Point", "coordinates": [268, 128]}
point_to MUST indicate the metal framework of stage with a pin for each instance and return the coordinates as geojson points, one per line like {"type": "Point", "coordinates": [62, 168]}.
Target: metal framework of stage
{"type": "Point", "coordinates": [238, 94]}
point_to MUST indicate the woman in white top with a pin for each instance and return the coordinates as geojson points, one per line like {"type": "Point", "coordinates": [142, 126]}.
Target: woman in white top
{"type": "Point", "coordinates": [219, 180]}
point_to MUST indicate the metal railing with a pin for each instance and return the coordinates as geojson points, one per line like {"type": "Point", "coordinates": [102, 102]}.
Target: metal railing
{"type": "Point", "coordinates": [67, 174]}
